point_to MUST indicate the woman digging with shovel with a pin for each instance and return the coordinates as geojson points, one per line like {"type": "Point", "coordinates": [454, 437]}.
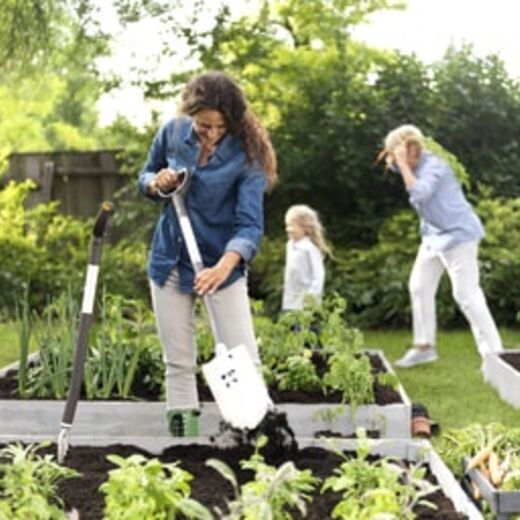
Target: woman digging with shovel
{"type": "Point", "coordinates": [231, 163]}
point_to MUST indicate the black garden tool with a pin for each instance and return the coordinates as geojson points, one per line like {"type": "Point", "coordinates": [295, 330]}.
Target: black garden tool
{"type": "Point", "coordinates": [87, 311]}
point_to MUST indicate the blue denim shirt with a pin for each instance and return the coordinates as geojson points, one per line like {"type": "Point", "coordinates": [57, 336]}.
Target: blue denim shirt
{"type": "Point", "coordinates": [224, 201]}
{"type": "Point", "coordinates": [447, 218]}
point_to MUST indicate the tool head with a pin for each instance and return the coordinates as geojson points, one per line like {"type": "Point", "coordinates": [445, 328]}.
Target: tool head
{"type": "Point", "coordinates": [63, 443]}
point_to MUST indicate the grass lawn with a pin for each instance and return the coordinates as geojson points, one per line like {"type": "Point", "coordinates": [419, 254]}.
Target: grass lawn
{"type": "Point", "coordinates": [452, 388]}
{"type": "Point", "coordinates": [8, 343]}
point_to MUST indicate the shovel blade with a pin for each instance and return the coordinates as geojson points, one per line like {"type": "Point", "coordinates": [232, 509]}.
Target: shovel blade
{"type": "Point", "coordinates": [237, 386]}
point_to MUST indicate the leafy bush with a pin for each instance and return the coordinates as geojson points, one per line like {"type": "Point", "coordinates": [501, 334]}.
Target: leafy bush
{"type": "Point", "coordinates": [272, 493]}
{"type": "Point", "coordinates": [315, 349]}
{"type": "Point", "coordinates": [455, 444]}
{"type": "Point", "coordinates": [28, 484]}
{"type": "Point", "coordinates": [48, 251]}
{"type": "Point", "coordinates": [370, 489]}
{"type": "Point", "coordinates": [500, 256]}
{"type": "Point", "coordinates": [123, 348]}
{"type": "Point", "coordinates": [146, 488]}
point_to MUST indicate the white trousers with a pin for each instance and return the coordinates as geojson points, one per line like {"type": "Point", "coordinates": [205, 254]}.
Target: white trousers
{"type": "Point", "coordinates": [174, 314]}
{"type": "Point", "coordinates": [461, 263]}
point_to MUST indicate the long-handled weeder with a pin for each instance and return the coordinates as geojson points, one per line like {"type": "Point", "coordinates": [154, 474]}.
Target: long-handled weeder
{"type": "Point", "coordinates": [87, 309]}
{"type": "Point", "coordinates": [236, 384]}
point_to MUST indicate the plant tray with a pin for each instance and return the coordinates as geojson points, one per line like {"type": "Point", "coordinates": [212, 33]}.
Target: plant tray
{"type": "Point", "coordinates": [502, 376]}
{"type": "Point", "coordinates": [502, 503]}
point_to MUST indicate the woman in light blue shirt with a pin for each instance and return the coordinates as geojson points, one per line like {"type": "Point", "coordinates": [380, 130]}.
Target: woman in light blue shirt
{"type": "Point", "coordinates": [232, 162]}
{"type": "Point", "coordinates": [450, 236]}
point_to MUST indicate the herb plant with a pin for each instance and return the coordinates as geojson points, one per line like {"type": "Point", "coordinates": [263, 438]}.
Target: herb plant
{"type": "Point", "coordinates": [28, 484]}
{"type": "Point", "coordinates": [146, 488]}
{"type": "Point", "coordinates": [273, 492]}
{"type": "Point", "coordinates": [377, 489]}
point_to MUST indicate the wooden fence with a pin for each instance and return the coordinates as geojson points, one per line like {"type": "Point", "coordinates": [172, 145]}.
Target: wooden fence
{"type": "Point", "coordinates": [81, 181]}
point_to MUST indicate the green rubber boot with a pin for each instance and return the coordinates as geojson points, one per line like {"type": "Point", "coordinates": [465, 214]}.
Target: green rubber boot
{"type": "Point", "coordinates": [183, 423]}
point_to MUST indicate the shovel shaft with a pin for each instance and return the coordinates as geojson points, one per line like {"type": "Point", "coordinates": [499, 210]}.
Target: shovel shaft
{"type": "Point", "coordinates": [195, 257]}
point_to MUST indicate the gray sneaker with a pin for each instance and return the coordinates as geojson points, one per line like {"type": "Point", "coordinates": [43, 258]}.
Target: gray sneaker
{"type": "Point", "coordinates": [416, 356]}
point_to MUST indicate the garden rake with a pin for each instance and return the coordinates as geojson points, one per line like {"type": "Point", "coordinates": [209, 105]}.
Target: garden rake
{"type": "Point", "coordinates": [87, 310]}
{"type": "Point", "coordinates": [236, 384]}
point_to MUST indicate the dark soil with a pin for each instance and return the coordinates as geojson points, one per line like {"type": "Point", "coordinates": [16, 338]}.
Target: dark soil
{"type": "Point", "coordinates": [512, 359]}
{"type": "Point", "coordinates": [209, 487]}
{"type": "Point", "coordinates": [384, 394]}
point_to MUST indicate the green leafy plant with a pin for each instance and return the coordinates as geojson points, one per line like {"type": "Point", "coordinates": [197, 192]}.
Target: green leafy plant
{"type": "Point", "coordinates": [146, 488]}
{"type": "Point", "coordinates": [28, 483]}
{"type": "Point", "coordinates": [455, 444]}
{"type": "Point", "coordinates": [125, 332]}
{"type": "Point", "coordinates": [298, 373]}
{"type": "Point", "coordinates": [314, 348]}
{"type": "Point", "coordinates": [381, 487]}
{"type": "Point", "coordinates": [25, 325]}
{"type": "Point", "coordinates": [56, 341]}
{"type": "Point", "coordinates": [273, 492]}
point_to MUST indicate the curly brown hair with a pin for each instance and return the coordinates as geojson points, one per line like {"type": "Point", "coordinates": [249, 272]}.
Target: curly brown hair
{"type": "Point", "coordinates": [217, 91]}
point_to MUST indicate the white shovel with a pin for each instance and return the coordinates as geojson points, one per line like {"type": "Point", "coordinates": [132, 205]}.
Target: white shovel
{"type": "Point", "coordinates": [236, 384]}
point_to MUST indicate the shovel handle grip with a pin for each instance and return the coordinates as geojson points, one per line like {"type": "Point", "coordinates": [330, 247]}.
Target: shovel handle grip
{"type": "Point", "coordinates": [107, 208]}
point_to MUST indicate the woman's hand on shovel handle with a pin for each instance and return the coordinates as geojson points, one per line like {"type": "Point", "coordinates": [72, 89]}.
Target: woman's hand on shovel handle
{"type": "Point", "coordinates": [165, 181]}
{"type": "Point", "coordinates": [211, 278]}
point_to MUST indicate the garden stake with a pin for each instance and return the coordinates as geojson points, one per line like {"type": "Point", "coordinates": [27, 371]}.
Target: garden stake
{"type": "Point", "coordinates": [237, 386]}
{"type": "Point", "coordinates": [87, 308]}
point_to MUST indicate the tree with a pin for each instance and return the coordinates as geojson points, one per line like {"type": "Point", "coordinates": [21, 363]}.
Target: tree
{"type": "Point", "coordinates": [477, 115]}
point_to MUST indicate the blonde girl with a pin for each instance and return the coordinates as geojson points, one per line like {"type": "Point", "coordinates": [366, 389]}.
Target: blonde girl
{"type": "Point", "coordinates": [304, 274]}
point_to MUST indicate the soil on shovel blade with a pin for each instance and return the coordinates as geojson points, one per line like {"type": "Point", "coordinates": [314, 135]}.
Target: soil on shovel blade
{"type": "Point", "coordinates": [384, 394]}
{"type": "Point", "coordinates": [512, 359]}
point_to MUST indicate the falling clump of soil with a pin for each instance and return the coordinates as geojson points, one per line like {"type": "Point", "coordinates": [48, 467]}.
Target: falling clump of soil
{"type": "Point", "coordinates": [275, 426]}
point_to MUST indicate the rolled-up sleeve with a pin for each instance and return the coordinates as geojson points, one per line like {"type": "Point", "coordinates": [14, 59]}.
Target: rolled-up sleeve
{"type": "Point", "coordinates": [248, 223]}
{"type": "Point", "coordinates": [427, 183]}
{"type": "Point", "coordinates": [155, 161]}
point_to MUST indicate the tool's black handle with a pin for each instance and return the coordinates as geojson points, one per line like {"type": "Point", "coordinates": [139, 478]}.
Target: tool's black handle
{"type": "Point", "coordinates": [77, 370]}
{"type": "Point", "coordinates": [87, 310]}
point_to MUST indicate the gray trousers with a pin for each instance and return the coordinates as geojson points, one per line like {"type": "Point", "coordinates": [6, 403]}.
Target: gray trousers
{"type": "Point", "coordinates": [174, 314]}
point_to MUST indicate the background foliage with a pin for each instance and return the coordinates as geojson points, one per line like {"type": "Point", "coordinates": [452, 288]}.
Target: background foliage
{"type": "Point", "coordinates": [328, 101]}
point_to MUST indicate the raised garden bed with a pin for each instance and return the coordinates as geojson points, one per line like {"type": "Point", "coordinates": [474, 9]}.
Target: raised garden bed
{"type": "Point", "coordinates": [27, 419]}
{"type": "Point", "coordinates": [212, 490]}
{"type": "Point", "coordinates": [503, 372]}
{"type": "Point", "coordinates": [504, 504]}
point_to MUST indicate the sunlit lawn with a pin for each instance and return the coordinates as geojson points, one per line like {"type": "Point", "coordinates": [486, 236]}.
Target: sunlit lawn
{"type": "Point", "coordinates": [9, 343]}
{"type": "Point", "coordinates": [452, 388]}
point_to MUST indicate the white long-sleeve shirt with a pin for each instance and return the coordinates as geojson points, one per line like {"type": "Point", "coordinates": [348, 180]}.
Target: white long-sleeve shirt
{"type": "Point", "coordinates": [304, 273]}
